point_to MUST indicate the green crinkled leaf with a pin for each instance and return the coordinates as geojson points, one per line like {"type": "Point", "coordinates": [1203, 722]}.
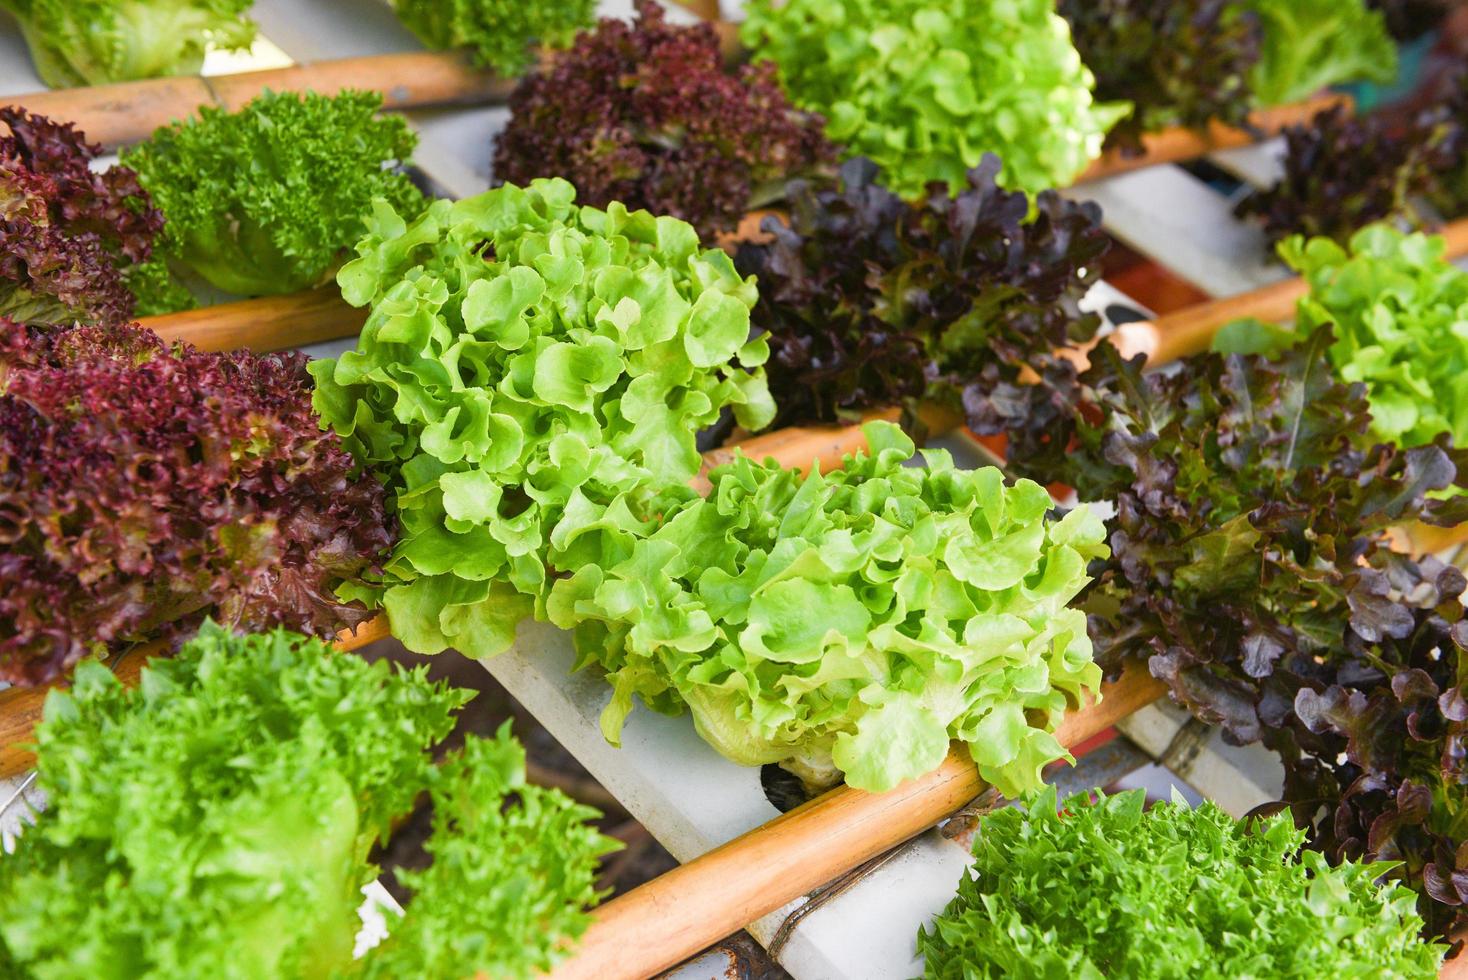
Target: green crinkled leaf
{"type": "Point", "coordinates": [530, 379]}
{"type": "Point", "coordinates": [1103, 887]}
{"type": "Point", "coordinates": [925, 91]}
{"type": "Point", "coordinates": [513, 870]}
{"type": "Point", "coordinates": [1400, 316]}
{"type": "Point", "coordinates": [269, 198]}
{"type": "Point", "coordinates": [1309, 44]}
{"type": "Point", "coordinates": [852, 622]}
{"type": "Point", "coordinates": [216, 821]}
{"type": "Point", "coordinates": [501, 34]}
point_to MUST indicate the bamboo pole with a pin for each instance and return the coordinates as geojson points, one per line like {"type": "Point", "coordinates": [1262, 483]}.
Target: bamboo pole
{"type": "Point", "coordinates": [127, 112]}
{"type": "Point", "coordinates": [265, 324]}
{"type": "Point", "coordinates": [672, 917]}
{"type": "Point", "coordinates": [1176, 144]}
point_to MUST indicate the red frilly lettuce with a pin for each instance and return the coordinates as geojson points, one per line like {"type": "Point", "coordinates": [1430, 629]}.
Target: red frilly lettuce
{"type": "Point", "coordinates": [648, 115]}
{"type": "Point", "coordinates": [144, 487]}
{"type": "Point", "coordinates": [67, 233]}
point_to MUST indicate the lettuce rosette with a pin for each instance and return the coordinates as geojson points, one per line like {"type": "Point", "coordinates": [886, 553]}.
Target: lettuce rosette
{"type": "Point", "coordinates": [531, 375]}
{"type": "Point", "coordinates": [219, 820]}
{"type": "Point", "coordinates": [849, 624]}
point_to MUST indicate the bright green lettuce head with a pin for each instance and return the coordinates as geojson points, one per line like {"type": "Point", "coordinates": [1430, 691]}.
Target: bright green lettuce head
{"type": "Point", "coordinates": [216, 822]}
{"type": "Point", "coordinates": [853, 622]}
{"type": "Point", "coordinates": [268, 199]}
{"type": "Point", "coordinates": [1105, 887]}
{"type": "Point", "coordinates": [1400, 312]}
{"type": "Point", "coordinates": [531, 374]}
{"type": "Point", "coordinates": [1309, 44]}
{"type": "Point", "coordinates": [925, 89]}
{"type": "Point", "coordinates": [97, 42]}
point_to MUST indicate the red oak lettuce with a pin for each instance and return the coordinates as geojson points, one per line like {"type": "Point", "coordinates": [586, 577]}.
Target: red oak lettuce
{"type": "Point", "coordinates": [870, 302]}
{"type": "Point", "coordinates": [1178, 63]}
{"type": "Point", "coordinates": [1251, 569]}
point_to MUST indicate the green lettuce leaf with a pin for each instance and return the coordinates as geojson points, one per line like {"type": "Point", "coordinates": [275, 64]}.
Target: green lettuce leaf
{"type": "Point", "coordinates": [1310, 44]}
{"type": "Point", "coordinates": [268, 199]}
{"type": "Point", "coordinates": [1400, 316]}
{"type": "Point", "coordinates": [1104, 887]}
{"type": "Point", "coordinates": [217, 820]}
{"type": "Point", "coordinates": [75, 43]}
{"type": "Point", "coordinates": [926, 90]}
{"type": "Point", "coordinates": [849, 623]}
{"type": "Point", "coordinates": [531, 375]}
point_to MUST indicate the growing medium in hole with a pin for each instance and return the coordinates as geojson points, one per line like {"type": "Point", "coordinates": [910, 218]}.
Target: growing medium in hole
{"type": "Point", "coordinates": [677, 134]}
{"type": "Point", "coordinates": [276, 765]}
{"type": "Point", "coordinates": [143, 487]}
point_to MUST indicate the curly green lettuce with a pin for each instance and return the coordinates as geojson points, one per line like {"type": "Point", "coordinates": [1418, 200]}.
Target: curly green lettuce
{"type": "Point", "coordinates": [926, 91]}
{"type": "Point", "coordinates": [1398, 308]}
{"type": "Point", "coordinates": [531, 374]}
{"type": "Point", "coordinates": [95, 42]}
{"type": "Point", "coordinates": [513, 871]}
{"type": "Point", "coordinates": [217, 821]}
{"type": "Point", "coordinates": [268, 199]}
{"type": "Point", "coordinates": [1309, 44]}
{"type": "Point", "coordinates": [1105, 887]}
{"type": "Point", "coordinates": [847, 624]}
{"type": "Point", "coordinates": [500, 34]}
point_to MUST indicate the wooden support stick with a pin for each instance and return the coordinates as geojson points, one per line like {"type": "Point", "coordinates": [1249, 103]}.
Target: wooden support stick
{"type": "Point", "coordinates": [1177, 144]}
{"type": "Point", "coordinates": [127, 112]}
{"type": "Point", "coordinates": [265, 324]}
{"type": "Point", "coordinates": [670, 918]}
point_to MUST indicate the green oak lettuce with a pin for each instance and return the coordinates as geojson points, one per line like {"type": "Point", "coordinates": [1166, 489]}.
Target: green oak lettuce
{"type": "Point", "coordinates": [849, 623]}
{"type": "Point", "coordinates": [1400, 313]}
{"type": "Point", "coordinates": [531, 374]}
{"type": "Point", "coordinates": [217, 821]}
{"type": "Point", "coordinates": [268, 199]}
{"type": "Point", "coordinates": [925, 91]}
{"type": "Point", "coordinates": [1106, 887]}
{"type": "Point", "coordinates": [1309, 44]}
{"type": "Point", "coordinates": [500, 34]}
{"type": "Point", "coordinates": [95, 42]}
